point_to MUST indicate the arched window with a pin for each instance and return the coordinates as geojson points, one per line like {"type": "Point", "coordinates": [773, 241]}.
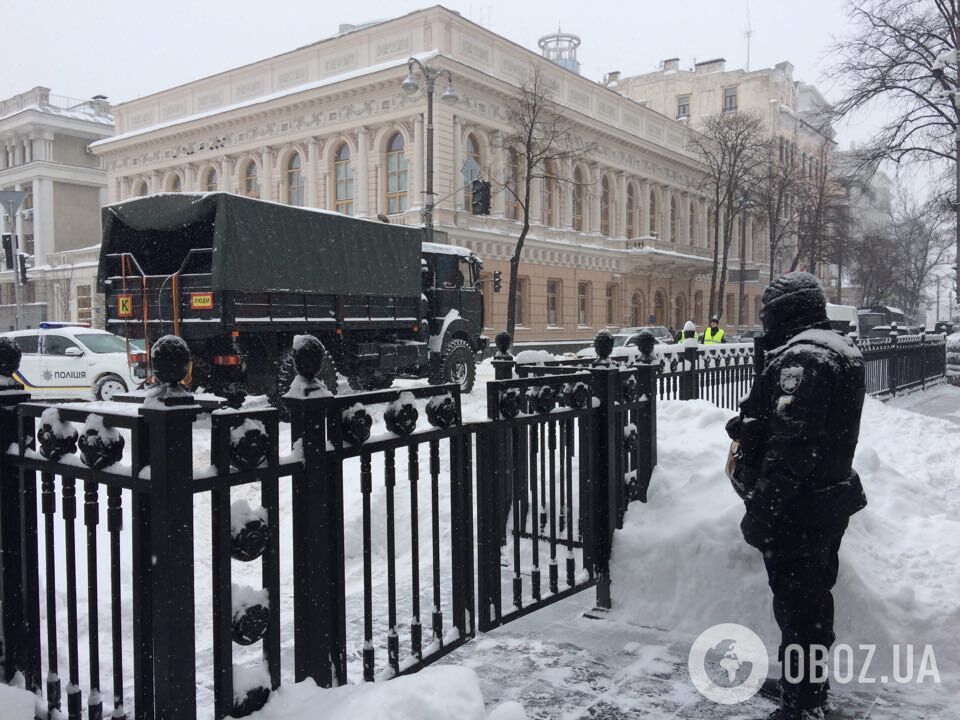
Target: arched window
{"type": "Point", "coordinates": [175, 183]}
{"type": "Point", "coordinates": [654, 226]}
{"type": "Point", "coordinates": [605, 207]}
{"type": "Point", "coordinates": [294, 181]}
{"type": "Point", "coordinates": [659, 309]}
{"type": "Point", "coordinates": [139, 188]}
{"type": "Point", "coordinates": [636, 309]}
{"type": "Point", "coordinates": [251, 180]}
{"type": "Point", "coordinates": [343, 172]}
{"type": "Point", "coordinates": [578, 193]}
{"type": "Point", "coordinates": [631, 211]}
{"type": "Point", "coordinates": [471, 149]}
{"type": "Point", "coordinates": [396, 175]}
{"type": "Point", "coordinates": [674, 220]}
{"type": "Point", "coordinates": [512, 188]}
{"type": "Point", "coordinates": [210, 180]}
{"type": "Point", "coordinates": [548, 190]}
{"type": "Point", "coordinates": [692, 223]}
{"type": "Point", "coordinates": [679, 312]}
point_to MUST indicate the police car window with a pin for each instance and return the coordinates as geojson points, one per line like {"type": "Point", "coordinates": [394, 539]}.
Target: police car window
{"type": "Point", "coordinates": [103, 342]}
{"type": "Point", "coordinates": [28, 344]}
{"type": "Point", "coordinates": [56, 344]}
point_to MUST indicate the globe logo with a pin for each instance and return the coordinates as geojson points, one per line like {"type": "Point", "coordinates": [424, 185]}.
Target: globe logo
{"type": "Point", "coordinates": [728, 663]}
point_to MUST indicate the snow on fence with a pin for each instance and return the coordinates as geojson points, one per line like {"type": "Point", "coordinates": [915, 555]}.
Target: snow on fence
{"type": "Point", "coordinates": [903, 362]}
{"type": "Point", "coordinates": [300, 551]}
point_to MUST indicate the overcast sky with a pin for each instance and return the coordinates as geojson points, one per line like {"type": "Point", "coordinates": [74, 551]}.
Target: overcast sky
{"type": "Point", "coordinates": [126, 49]}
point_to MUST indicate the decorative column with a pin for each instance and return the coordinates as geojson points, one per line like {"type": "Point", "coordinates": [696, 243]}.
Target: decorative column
{"type": "Point", "coordinates": [266, 184]}
{"type": "Point", "coordinates": [189, 178]}
{"type": "Point", "coordinates": [536, 201]}
{"type": "Point", "coordinates": [458, 180]}
{"type": "Point", "coordinates": [42, 220]}
{"type": "Point", "coordinates": [225, 175]}
{"type": "Point", "coordinates": [498, 174]}
{"type": "Point", "coordinates": [417, 185]}
{"type": "Point", "coordinates": [566, 194]}
{"type": "Point", "coordinates": [644, 204]}
{"type": "Point", "coordinates": [311, 183]}
{"type": "Point", "coordinates": [362, 179]}
{"type": "Point", "coordinates": [666, 215]}
{"type": "Point", "coordinates": [596, 188]}
{"type": "Point", "coordinates": [621, 200]}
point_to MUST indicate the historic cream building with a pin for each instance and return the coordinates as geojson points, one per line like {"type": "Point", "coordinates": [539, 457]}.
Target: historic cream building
{"type": "Point", "coordinates": [327, 125]}
{"type": "Point", "coordinates": [44, 152]}
{"type": "Point", "coordinates": [793, 112]}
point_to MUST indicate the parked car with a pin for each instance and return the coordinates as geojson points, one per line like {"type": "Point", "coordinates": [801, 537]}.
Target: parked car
{"type": "Point", "coordinates": [748, 335]}
{"type": "Point", "coordinates": [68, 360]}
{"type": "Point", "coordinates": [629, 336]}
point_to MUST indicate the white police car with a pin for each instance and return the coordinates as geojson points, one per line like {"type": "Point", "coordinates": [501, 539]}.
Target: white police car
{"type": "Point", "coordinates": [68, 360]}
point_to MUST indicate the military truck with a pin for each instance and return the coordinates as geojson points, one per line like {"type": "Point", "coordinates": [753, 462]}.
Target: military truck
{"type": "Point", "coordinates": [239, 278]}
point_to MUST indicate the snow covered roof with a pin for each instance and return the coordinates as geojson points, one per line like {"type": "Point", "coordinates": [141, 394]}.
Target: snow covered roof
{"type": "Point", "coordinates": [442, 249]}
{"type": "Point", "coordinates": [84, 111]}
{"type": "Point", "coordinates": [305, 87]}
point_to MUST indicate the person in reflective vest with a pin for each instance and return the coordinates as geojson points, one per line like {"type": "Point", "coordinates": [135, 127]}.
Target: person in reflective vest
{"type": "Point", "coordinates": [713, 335]}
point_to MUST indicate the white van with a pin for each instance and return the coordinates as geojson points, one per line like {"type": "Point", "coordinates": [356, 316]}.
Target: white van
{"type": "Point", "coordinates": [843, 318]}
{"type": "Point", "coordinates": [67, 360]}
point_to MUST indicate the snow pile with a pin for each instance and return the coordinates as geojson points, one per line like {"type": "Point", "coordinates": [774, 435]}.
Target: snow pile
{"type": "Point", "coordinates": [60, 429]}
{"type": "Point", "coordinates": [953, 357]}
{"type": "Point", "coordinates": [18, 703]}
{"type": "Point", "coordinates": [534, 357]}
{"type": "Point", "coordinates": [680, 562]}
{"type": "Point", "coordinates": [435, 693]}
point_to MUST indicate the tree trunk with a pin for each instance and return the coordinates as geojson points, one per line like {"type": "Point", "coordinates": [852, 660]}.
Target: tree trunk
{"type": "Point", "coordinates": [716, 251]}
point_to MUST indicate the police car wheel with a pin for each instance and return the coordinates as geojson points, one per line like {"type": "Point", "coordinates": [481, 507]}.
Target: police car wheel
{"type": "Point", "coordinates": [107, 387]}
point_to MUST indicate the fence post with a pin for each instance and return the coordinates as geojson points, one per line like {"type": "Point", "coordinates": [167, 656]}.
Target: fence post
{"type": "Point", "coordinates": [20, 628]}
{"type": "Point", "coordinates": [688, 383]}
{"type": "Point", "coordinates": [503, 362]}
{"type": "Point", "coordinates": [893, 365]}
{"type": "Point", "coordinates": [604, 500]}
{"type": "Point", "coordinates": [169, 414]}
{"type": "Point", "coordinates": [319, 622]}
{"type": "Point", "coordinates": [647, 375]}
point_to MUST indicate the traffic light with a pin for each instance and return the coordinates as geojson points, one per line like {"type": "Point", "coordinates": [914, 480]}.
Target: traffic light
{"type": "Point", "coordinates": [23, 268]}
{"type": "Point", "coordinates": [480, 197]}
{"type": "Point", "coordinates": [8, 250]}
{"type": "Point", "coordinates": [497, 280]}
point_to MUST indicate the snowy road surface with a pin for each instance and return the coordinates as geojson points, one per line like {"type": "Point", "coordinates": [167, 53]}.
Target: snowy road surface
{"type": "Point", "coordinates": [679, 567]}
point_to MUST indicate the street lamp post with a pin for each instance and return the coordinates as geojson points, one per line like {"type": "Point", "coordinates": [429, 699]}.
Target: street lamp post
{"type": "Point", "coordinates": [11, 201]}
{"type": "Point", "coordinates": [410, 87]}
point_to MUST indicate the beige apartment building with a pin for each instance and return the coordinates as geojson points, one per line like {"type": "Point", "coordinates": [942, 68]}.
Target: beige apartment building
{"type": "Point", "coordinates": [792, 111]}
{"type": "Point", "coordinates": [328, 126]}
{"type": "Point", "coordinates": [44, 151]}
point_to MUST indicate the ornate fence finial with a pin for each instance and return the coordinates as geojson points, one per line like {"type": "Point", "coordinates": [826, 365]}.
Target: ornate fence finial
{"type": "Point", "coordinates": [308, 354]}
{"type": "Point", "coordinates": [170, 356]}
{"type": "Point", "coordinates": [603, 344]}
{"type": "Point", "coordinates": [503, 341]}
{"type": "Point", "coordinates": [9, 363]}
{"type": "Point", "coordinates": [645, 344]}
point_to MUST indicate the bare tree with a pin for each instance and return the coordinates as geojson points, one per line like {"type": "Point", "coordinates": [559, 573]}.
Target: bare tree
{"type": "Point", "coordinates": [773, 191]}
{"type": "Point", "coordinates": [61, 283]}
{"type": "Point", "coordinates": [818, 196]}
{"type": "Point", "coordinates": [731, 147]}
{"type": "Point", "coordinates": [542, 142]}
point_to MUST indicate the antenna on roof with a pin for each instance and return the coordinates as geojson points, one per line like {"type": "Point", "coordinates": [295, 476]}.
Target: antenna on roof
{"type": "Point", "coordinates": [748, 35]}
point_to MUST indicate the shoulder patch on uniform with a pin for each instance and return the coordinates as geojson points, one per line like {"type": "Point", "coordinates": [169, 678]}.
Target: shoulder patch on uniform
{"type": "Point", "coordinates": [790, 378]}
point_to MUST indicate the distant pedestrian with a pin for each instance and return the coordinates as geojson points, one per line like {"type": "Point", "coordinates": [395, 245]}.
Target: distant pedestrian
{"type": "Point", "coordinates": [714, 334]}
{"type": "Point", "coordinates": [797, 433]}
{"type": "Point", "coordinates": [689, 332]}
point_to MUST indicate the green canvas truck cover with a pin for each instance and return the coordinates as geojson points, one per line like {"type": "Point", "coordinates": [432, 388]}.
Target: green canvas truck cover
{"type": "Point", "coordinates": [262, 246]}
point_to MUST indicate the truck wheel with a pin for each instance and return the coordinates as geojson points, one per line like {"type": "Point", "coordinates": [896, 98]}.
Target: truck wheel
{"type": "Point", "coordinates": [457, 365]}
{"type": "Point", "coordinates": [108, 386]}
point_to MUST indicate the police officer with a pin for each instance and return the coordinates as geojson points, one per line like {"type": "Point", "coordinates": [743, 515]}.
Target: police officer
{"type": "Point", "coordinates": [714, 334]}
{"type": "Point", "coordinates": [798, 429]}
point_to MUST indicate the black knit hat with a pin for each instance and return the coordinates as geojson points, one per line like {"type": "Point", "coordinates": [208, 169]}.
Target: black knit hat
{"type": "Point", "coordinates": [799, 287]}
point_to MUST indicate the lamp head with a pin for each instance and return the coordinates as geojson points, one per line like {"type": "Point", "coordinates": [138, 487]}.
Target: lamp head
{"type": "Point", "coordinates": [410, 84]}
{"type": "Point", "coordinates": [450, 95]}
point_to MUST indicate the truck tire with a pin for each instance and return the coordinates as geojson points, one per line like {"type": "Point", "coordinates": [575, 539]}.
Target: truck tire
{"type": "Point", "coordinates": [108, 386]}
{"type": "Point", "coordinates": [457, 365]}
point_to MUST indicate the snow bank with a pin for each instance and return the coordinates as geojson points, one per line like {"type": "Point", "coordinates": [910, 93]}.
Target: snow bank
{"type": "Point", "coordinates": [435, 693]}
{"type": "Point", "coordinates": [534, 357]}
{"type": "Point", "coordinates": [680, 563]}
{"type": "Point", "coordinates": [17, 703]}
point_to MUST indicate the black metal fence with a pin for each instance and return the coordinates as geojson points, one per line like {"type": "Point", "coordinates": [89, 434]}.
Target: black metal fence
{"type": "Point", "coordinates": [193, 573]}
{"type": "Point", "coordinates": [898, 363]}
